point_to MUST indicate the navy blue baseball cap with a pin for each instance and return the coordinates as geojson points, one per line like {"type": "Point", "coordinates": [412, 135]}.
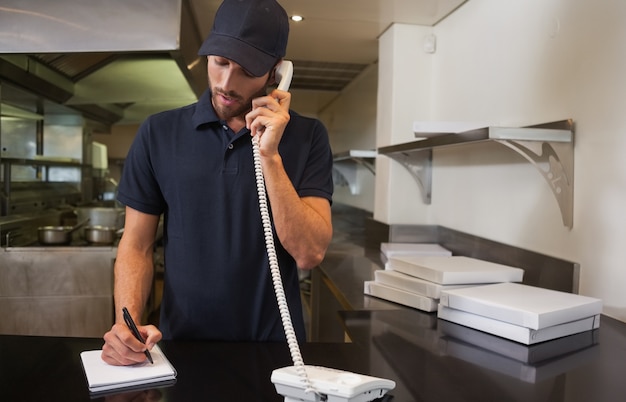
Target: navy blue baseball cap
{"type": "Point", "coordinates": [252, 33]}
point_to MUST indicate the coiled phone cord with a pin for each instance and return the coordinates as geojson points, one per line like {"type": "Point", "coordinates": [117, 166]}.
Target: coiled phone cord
{"type": "Point", "coordinates": [292, 341]}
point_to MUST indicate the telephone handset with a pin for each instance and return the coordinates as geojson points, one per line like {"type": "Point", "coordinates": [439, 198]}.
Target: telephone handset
{"type": "Point", "coordinates": [300, 382]}
{"type": "Point", "coordinates": [283, 74]}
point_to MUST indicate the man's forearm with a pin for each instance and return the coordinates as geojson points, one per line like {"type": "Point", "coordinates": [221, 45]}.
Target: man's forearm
{"type": "Point", "coordinates": [133, 284]}
{"type": "Point", "coordinates": [303, 225]}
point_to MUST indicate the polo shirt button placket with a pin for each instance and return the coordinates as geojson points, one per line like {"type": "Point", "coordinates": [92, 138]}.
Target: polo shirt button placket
{"type": "Point", "coordinates": [231, 146]}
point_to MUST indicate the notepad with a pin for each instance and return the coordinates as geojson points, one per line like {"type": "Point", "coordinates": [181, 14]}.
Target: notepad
{"type": "Point", "coordinates": [103, 377]}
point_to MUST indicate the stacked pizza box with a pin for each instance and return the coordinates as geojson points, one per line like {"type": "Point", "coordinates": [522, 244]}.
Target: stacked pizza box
{"type": "Point", "coordinates": [389, 250]}
{"type": "Point", "coordinates": [417, 281]}
{"type": "Point", "coordinates": [521, 313]}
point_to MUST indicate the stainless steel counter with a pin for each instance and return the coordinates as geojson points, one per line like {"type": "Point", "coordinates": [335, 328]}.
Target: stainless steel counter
{"type": "Point", "coordinates": [56, 291]}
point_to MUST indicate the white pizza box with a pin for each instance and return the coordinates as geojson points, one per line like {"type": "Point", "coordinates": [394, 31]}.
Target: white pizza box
{"type": "Point", "coordinates": [400, 296]}
{"type": "Point", "coordinates": [517, 333]}
{"type": "Point", "coordinates": [528, 354]}
{"type": "Point", "coordinates": [455, 270]}
{"type": "Point", "coordinates": [529, 373]}
{"type": "Point", "coordinates": [389, 250]}
{"type": "Point", "coordinates": [411, 284]}
{"type": "Point", "coordinates": [527, 306]}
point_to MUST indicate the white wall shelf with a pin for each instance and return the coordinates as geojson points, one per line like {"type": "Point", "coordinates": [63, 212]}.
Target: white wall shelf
{"type": "Point", "coordinates": [346, 164]}
{"type": "Point", "coordinates": [549, 147]}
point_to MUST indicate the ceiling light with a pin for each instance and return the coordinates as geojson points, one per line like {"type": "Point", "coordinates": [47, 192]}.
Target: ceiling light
{"type": "Point", "coordinates": [297, 18]}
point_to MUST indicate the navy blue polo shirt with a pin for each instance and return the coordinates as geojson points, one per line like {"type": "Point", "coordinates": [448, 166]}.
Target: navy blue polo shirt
{"type": "Point", "coordinates": [189, 166]}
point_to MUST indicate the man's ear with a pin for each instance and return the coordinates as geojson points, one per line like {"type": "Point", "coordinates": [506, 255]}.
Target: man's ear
{"type": "Point", "coordinates": [272, 77]}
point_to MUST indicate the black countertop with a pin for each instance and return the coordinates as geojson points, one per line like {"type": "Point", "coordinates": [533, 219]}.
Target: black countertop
{"type": "Point", "coordinates": [435, 360]}
{"type": "Point", "coordinates": [408, 347]}
{"type": "Point", "coordinates": [49, 369]}
{"type": "Point", "coordinates": [429, 359]}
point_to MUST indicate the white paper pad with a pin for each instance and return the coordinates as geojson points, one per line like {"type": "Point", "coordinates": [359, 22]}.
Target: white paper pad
{"type": "Point", "coordinates": [104, 377]}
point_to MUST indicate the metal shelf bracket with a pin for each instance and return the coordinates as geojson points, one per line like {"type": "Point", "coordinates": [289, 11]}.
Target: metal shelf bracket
{"type": "Point", "coordinates": [549, 147]}
{"type": "Point", "coordinates": [555, 162]}
{"type": "Point", "coordinates": [420, 166]}
{"type": "Point", "coordinates": [346, 165]}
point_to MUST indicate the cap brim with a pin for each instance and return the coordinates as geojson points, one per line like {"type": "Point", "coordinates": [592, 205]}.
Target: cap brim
{"type": "Point", "coordinates": [251, 59]}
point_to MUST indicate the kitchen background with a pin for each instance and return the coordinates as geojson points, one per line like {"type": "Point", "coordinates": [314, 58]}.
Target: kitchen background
{"type": "Point", "coordinates": [513, 63]}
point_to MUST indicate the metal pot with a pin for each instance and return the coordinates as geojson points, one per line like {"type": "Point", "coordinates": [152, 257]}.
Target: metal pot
{"type": "Point", "coordinates": [54, 234]}
{"type": "Point", "coordinates": [101, 234]}
{"type": "Point", "coordinates": [57, 235]}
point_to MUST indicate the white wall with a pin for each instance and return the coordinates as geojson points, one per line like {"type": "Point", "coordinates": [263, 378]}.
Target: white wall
{"type": "Point", "coordinates": [404, 95]}
{"type": "Point", "coordinates": [351, 123]}
{"type": "Point", "coordinates": [522, 62]}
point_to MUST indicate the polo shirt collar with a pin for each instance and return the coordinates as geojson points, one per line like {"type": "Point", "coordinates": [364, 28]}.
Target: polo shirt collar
{"type": "Point", "coordinates": [204, 112]}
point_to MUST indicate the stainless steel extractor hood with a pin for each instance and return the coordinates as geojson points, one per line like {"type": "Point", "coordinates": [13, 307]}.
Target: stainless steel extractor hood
{"type": "Point", "coordinates": [52, 48]}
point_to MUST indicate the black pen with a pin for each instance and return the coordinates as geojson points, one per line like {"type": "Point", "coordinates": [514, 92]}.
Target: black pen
{"type": "Point", "coordinates": [135, 331]}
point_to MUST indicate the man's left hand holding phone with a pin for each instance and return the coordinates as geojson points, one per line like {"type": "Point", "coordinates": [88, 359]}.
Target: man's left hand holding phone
{"type": "Point", "coordinates": [127, 343]}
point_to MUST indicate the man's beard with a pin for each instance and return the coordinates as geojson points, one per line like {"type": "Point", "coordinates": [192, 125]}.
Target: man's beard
{"type": "Point", "coordinates": [242, 107]}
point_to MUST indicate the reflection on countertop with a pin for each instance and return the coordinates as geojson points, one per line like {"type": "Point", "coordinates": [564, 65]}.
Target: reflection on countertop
{"type": "Point", "coordinates": [434, 360]}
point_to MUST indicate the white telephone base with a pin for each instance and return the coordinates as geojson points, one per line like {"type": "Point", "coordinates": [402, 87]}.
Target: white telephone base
{"type": "Point", "coordinates": [332, 385]}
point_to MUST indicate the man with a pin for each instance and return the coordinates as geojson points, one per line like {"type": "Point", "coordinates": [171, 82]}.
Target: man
{"type": "Point", "coordinates": [195, 166]}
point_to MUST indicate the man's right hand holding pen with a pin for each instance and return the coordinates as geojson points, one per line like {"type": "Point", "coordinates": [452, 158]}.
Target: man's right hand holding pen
{"type": "Point", "coordinates": [123, 348]}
